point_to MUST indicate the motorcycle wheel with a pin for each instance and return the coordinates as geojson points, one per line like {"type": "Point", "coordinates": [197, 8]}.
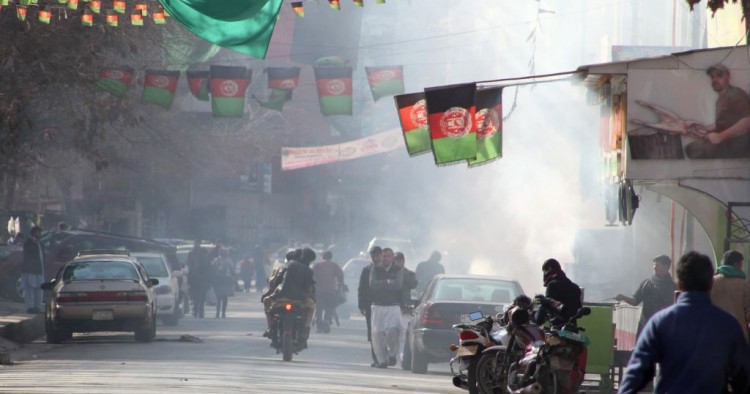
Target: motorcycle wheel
{"type": "Point", "coordinates": [490, 374]}
{"type": "Point", "coordinates": [287, 348]}
{"type": "Point", "coordinates": [548, 381]}
{"type": "Point", "coordinates": [471, 376]}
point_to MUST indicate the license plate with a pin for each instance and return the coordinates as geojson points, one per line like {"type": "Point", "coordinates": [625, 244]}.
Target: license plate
{"type": "Point", "coordinates": [103, 315]}
{"type": "Point", "coordinates": [466, 319]}
{"type": "Point", "coordinates": [466, 350]}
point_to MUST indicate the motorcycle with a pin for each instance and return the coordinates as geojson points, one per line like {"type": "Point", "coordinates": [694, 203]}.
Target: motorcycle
{"type": "Point", "coordinates": [473, 339]}
{"type": "Point", "coordinates": [494, 362]}
{"type": "Point", "coordinates": [289, 327]}
{"type": "Point", "coordinates": [554, 363]}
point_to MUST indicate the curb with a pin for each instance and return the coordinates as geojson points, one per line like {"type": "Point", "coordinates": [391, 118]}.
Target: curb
{"type": "Point", "coordinates": [22, 327]}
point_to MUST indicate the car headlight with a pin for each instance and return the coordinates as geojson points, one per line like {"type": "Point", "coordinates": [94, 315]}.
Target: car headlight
{"type": "Point", "coordinates": [165, 289]}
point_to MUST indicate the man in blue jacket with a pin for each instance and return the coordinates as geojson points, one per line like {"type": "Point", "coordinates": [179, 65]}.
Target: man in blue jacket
{"type": "Point", "coordinates": [699, 348]}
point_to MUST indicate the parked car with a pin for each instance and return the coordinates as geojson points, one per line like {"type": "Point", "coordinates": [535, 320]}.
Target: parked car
{"type": "Point", "coordinates": [448, 300]}
{"type": "Point", "coordinates": [101, 291]}
{"type": "Point", "coordinates": [352, 270]}
{"type": "Point", "coordinates": [61, 247]}
{"type": "Point", "coordinates": [168, 292]}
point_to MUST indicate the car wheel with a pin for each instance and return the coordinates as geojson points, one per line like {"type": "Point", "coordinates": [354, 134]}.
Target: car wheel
{"type": "Point", "coordinates": [17, 294]}
{"type": "Point", "coordinates": [406, 359]}
{"type": "Point", "coordinates": [147, 333]}
{"type": "Point", "coordinates": [418, 361]}
{"type": "Point", "coordinates": [54, 333]}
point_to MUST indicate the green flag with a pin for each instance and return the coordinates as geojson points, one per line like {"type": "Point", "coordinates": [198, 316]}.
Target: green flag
{"type": "Point", "coordinates": [276, 100]}
{"type": "Point", "coordinates": [489, 124]}
{"type": "Point", "coordinates": [450, 114]}
{"type": "Point", "coordinates": [198, 83]}
{"type": "Point", "coordinates": [228, 85]}
{"type": "Point", "coordinates": [115, 80]}
{"type": "Point", "coordinates": [159, 87]}
{"type": "Point", "coordinates": [244, 26]}
{"type": "Point", "coordinates": [334, 90]}
{"type": "Point", "coordinates": [385, 81]}
{"type": "Point", "coordinates": [412, 113]}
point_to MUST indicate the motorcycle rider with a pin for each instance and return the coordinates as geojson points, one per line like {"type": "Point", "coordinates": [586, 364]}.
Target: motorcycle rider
{"type": "Point", "coordinates": [559, 289]}
{"type": "Point", "coordinates": [292, 282]}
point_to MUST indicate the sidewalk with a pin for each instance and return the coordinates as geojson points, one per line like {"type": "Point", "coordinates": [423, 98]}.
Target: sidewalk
{"type": "Point", "coordinates": [17, 327]}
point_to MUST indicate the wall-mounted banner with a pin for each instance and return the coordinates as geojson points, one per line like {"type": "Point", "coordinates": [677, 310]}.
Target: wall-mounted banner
{"type": "Point", "coordinates": [707, 117]}
{"type": "Point", "coordinates": [296, 158]}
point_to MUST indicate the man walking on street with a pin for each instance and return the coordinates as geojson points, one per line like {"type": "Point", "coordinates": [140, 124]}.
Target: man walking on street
{"type": "Point", "coordinates": [32, 271]}
{"type": "Point", "coordinates": [386, 282]}
{"type": "Point", "coordinates": [656, 292]}
{"type": "Point", "coordinates": [427, 270]}
{"type": "Point", "coordinates": [410, 283]}
{"type": "Point", "coordinates": [699, 348]}
{"type": "Point", "coordinates": [364, 294]}
{"type": "Point", "coordinates": [731, 291]}
{"type": "Point", "coordinates": [329, 282]}
{"type": "Point", "coordinates": [199, 277]}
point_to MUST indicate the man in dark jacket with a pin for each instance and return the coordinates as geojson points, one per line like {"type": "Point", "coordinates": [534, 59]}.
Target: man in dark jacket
{"type": "Point", "coordinates": [656, 292]}
{"type": "Point", "coordinates": [295, 284]}
{"type": "Point", "coordinates": [364, 293]}
{"type": "Point", "coordinates": [386, 283]}
{"type": "Point", "coordinates": [410, 283]}
{"type": "Point", "coordinates": [199, 277]}
{"type": "Point", "coordinates": [562, 290]}
{"type": "Point", "coordinates": [427, 270]}
{"type": "Point", "coordinates": [32, 271]}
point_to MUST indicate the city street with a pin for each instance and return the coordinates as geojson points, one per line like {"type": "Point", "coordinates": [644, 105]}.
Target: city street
{"type": "Point", "coordinates": [232, 358]}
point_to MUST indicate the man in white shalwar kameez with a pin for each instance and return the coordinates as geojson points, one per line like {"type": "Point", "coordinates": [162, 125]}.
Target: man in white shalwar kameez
{"type": "Point", "coordinates": [386, 282]}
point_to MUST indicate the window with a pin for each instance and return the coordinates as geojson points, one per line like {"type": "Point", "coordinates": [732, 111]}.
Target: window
{"type": "Point", "coordinates": [477, 290]}
{"type": "Point", "coordinates": [154, 266]}
{"type": "Point", "coordinates": [100, 270]}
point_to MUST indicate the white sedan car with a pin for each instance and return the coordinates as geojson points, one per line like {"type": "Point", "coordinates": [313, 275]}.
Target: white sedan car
{"type": "Point", "coordinates": [168, 289]}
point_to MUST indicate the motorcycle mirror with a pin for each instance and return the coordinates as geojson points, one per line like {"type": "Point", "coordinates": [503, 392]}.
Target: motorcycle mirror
{"type": "Point", "coordinates": [476, 315]}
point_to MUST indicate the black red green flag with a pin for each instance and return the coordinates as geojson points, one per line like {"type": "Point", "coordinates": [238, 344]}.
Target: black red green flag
{"type": "Point", "coordinates": [299, 9]}
{"type": "Point", "coordinates": [159, 87]}
{"type": "Point", "coordinates": [276, 100]}
{"type": "Point", "coordinates": [334, 90]}
{"type": "Point", "coordinates": [283, 77]}
{"type": "Point", "coordinates": [198, 83]}
{"type": "Point", "coordinates": [385, 81]}
{"type": "Point", "coordinates": [450, 114]}
{"type": "Point", "coordinates": [45, 15]}
{"type": "Point", "coordinates": [87, 19]}
{"type": "Point", "coordinates": [489, 125]}
{"type": "Point", "coordinates": [412, 112]}
{"type": "Point", "coordinates": [335, 5]}
{"type": "Point", "coordinates": [115, 80]}
{"type": "Point", "coordinates": [227, 85]}
{"type": "Point", "coordinates": [96, 6]}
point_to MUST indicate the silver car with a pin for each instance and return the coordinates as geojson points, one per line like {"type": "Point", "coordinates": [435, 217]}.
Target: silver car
{"type": "Point", "coordinates": [101, 291]}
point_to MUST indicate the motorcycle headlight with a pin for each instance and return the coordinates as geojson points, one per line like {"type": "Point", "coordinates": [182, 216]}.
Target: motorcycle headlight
{"type": "Point", "coordinates": [166, 289]}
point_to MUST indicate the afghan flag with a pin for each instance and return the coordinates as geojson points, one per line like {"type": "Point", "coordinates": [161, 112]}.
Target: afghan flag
{"type": "Point", "coordinates": [159, 17]}
{"type": "Point", "coordinates": [96, 6]}
{"type": "Point", "coordinates": [198, 83]}
{"type": "Point", "coordinates": [299, 9]}
{"type": "Point", "coordinates": [72, 4]}
{"type": "Point", "coordinates": [359, 3]}
{"type": "Point", "coordinates": [385, 81]}
{"type": "Point", "coordinates": [112, 18]}
{"type": "Point", "coordinates": [334, 90]}
{"type": "Point", "coordinates": [87, 19]}
{"type": "Point", "coordinates": [450, 114]}
{"type": "Point", "coordinates": [45, 15]}
{"type": "Point", "coordinates": [489, 124]}
{"type": "Point", "coordinates": [115, 80]}
{"type": "Point", "coordinates": [276, 100]}
{"type": "Point", "coordinates": [228, 85]}
{"type": "Point", "coordinates": [412, 112]}
{"type": "Point", "coordinates": [283, 77]}
{"type": "Point", "coordinates": [159, 87]}
{"type": "Point", "coordinates": [21, 13]}
{"type": "Point", "coordinates": [136, 19]}
{"type": "Point", "coordinates": [119, 6]}
{"type": "Point", "coordinates": [335, 5]}
{"type": "Point", "coordinates": [142, 7]}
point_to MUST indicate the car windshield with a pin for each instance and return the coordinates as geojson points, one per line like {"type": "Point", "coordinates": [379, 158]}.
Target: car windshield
{"type": "Point", "coordinates": [100, 270]}
{"type": "Point", "coordinates": [475, 290]}
{"type": "Point", "coordinates": [154, 266]}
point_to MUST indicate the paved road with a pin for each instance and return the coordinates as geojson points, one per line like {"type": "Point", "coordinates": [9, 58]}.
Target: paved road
{"type": "Point", "coordinates": [232, 358]}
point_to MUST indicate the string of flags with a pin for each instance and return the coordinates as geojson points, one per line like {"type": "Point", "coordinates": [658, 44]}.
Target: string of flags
{"type": "Point", "coordinates": [226, 86]}
{"type": "Point", "coordinates": [299, 6]}
{"type": "Point", "coordinates": [457, 123]}
{"type": "Point", "coordinates": [90, 11]}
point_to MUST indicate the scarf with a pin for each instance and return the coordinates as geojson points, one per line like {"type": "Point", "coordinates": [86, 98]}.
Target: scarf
{"type": "Point", "coordinates": [552, 274]}
{"type": "Point", "coordinates": [730, 271]}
